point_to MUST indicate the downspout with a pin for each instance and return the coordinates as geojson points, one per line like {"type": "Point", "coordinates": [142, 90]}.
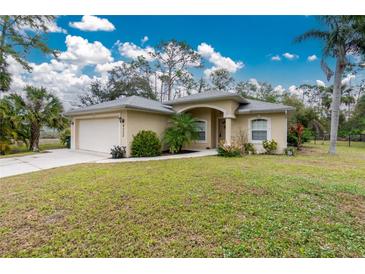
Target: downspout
{"type": "Point", "coordinates": [286, 129]}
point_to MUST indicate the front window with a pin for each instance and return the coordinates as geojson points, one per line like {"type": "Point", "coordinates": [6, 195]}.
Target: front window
{"type": "Point", "coordinates": [202, 128]}
{"type": "Point", "coordinates": [259, 130]}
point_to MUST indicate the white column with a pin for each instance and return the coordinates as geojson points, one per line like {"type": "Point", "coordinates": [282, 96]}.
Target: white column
{"type": "Point", "coordinates": [228, 131]}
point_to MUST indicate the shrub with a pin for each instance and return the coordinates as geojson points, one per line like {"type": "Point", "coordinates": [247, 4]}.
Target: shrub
{"type": "Point", "coordinates": [241, 140]}
{"type": "Point", "coordinates": [290, 151]}
{"type": "Point", "coordinates": [146, 144]}
{"type": "Point", "coordinates": [182, 132]}
{"type": "Point", "coordinates": [65, 137]}
{"type": "Point", "coordinates": [296, 135]}
{"type": "Point", "coordinates": [4, 148]}
{"type": "Point", "coordinates": [292, 138]}
{"type": "Point", "coordinates": [249, 148]}
{"type": "Point", "coordinates": [225, 150]}
{"type": "Point", "coordinates": [270, 146]}
{"type": "Point", "coordinates": [307, 135]}
{"type": "Point", "coordinates": [118, 152]}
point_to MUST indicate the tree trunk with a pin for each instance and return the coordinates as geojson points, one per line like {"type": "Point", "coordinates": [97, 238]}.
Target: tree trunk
{"type": "Point", "coordinates": [3, 87]}
{"type": "Point", "coordinates": [169, 91]}
{"type": "Point", "coordinates": [34, 137]}
{"type": "Point", "coordinates": [169, 84]}
{"type": "Point", "coordinates": [336, 100]}
{"type": "Point", "coordinates": [161, 92]}
{"type": "Point", "coordinates": [156, 92]}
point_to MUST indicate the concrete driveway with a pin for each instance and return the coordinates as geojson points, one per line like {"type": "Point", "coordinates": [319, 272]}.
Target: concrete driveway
{"type": "Point", "coordinates": [49, 159]}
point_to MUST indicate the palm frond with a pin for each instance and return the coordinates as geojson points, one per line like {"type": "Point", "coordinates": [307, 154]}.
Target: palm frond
{"type": "Point", "coordinates": [312, 34]}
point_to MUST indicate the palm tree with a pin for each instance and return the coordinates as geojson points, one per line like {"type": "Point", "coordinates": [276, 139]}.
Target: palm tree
{"type": "Point", "coordinates": [343, 35]}
{"type": "Point", "coordinates": [39, 108]}
{"type": "Point", "coordinates": [183, 130]}
{"type": "Point", "coordinates": [7, 134]}
{"type": "Point", "coordinates": [12, 125]}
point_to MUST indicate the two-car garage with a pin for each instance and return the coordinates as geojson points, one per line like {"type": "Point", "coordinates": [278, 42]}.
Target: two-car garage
{"type": "Point", "coordinates": [98, 134]}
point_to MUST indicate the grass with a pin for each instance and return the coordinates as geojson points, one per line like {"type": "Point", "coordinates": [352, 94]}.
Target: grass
{"type": "Point", "coordinates": [311, 205]}
{"type": "Point", "coordinates": [22, 150]}
{"type": "Point", "coordinates": [339, 144]}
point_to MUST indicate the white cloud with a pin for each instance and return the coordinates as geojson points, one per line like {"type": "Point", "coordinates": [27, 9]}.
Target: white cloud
{"type": "Point", "coordinates": [132, 51]}
{"type": "Point", "coordinates": [276, 58]}
{"type": "Point", "coordinates": [312, 58]}
{"type": "Point", "coordinates": [347, 80]}
{"type": "Point", "coordinates": [290, 56]}
{"type": "Point", "coordinates": [93, 23]}
{"type": "Point", "coordinates": [255, 86]}
{"type": "Point", "coordinates": [218, 61]}
{"type": "Point", "coordinates": [254, 82]}
{"type": "Point", "coordinates": [53, 27]}
{"type": "Point", "coordinates": [279, 89]}
{"type": "Point", "coordinates": [294, 90]}
{"type": "Point", "coordinates": [50, 25]}
{"type": "Point", "coordinates": [64, 76]}
{"type": "Point", "coordinates": [81, 52]}
{"type": "Point", "coordinates": [105, 68]}
{"type": "Point", "coordinates": [320, 83]}
{"type": "Point", "coordinates": [14, 66]}
{"type": "Point", "coordinates": [354, 57]}
{"type": "Point", "coordinates": [144, 40]}
{"type": "Point", "coordinates": [16, 71]}
{"type": "Point", "coordinates": [64, 80]}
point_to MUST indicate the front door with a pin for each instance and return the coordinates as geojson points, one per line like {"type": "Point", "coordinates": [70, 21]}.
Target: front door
{"type": "Point", "coordinates": [221, 129]}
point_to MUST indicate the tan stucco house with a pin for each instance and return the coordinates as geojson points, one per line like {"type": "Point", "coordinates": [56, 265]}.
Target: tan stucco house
{"type": "Point", "coordinates": [221, 116]}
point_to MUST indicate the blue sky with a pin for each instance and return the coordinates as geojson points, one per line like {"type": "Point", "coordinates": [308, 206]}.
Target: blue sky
{"type": "Point", "coordinates": [246, 45]}
{"type": "Point", "coordinates": [250, 39]}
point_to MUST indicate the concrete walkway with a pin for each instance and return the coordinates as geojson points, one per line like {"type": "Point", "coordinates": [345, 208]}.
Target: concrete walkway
{"type": "Point", "coordinates": [202, 153]}
{"type": "Point", "coordinates": [64, 157]}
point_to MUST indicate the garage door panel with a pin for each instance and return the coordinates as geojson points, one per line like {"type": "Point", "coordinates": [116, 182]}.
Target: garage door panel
{"type": "Point", "coordinates": [98, 134]}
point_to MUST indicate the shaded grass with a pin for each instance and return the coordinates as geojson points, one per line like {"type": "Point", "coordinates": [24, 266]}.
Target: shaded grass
{"type": "Point", "coordinates": [312, 205]}
{"type": "Point", "coordinates": [340, 144]}
{"type": "Point", "coordinates": [22, 150]}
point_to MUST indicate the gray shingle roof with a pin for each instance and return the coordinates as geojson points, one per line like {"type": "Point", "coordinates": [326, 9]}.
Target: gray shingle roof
{"type": "Point", "coordinates": [255, 106]}
{"type": "Point", "coordinates": [132, 102]}
{"type": "Point", "coordinates": [141, 103]}
{"type": "Point", "coordinates": [211, 95]}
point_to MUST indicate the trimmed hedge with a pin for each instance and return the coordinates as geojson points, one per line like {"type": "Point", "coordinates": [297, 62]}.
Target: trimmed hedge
{"type": "Point", "coordinates": [146, 144]}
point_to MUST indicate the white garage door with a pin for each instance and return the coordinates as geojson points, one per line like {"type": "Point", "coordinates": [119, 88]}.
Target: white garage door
{"type": "Point", "coordinates": [98, 134]}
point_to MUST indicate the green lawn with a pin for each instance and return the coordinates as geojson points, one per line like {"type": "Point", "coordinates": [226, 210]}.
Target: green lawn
{"type": "Point", "coordinates": [312, 205]}
{"type": "Point", "coordinates": [22, 150]}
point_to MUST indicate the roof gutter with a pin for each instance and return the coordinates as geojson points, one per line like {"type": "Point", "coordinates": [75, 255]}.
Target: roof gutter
{"type": "Point", "coordinates": [236, 98]}
{"type": "Point", "coordinates": [264, 111]}
{"type": "Point", "coordinates": [149, 110]}
{"type": "Point", "coordinates": [81, 112]}
{"type": "Point", "coordinates": [111, 109]}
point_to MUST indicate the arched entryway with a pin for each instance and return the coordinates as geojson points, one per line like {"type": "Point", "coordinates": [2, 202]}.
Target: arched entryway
{"type": "Point", "coordinates": [212, 124]}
